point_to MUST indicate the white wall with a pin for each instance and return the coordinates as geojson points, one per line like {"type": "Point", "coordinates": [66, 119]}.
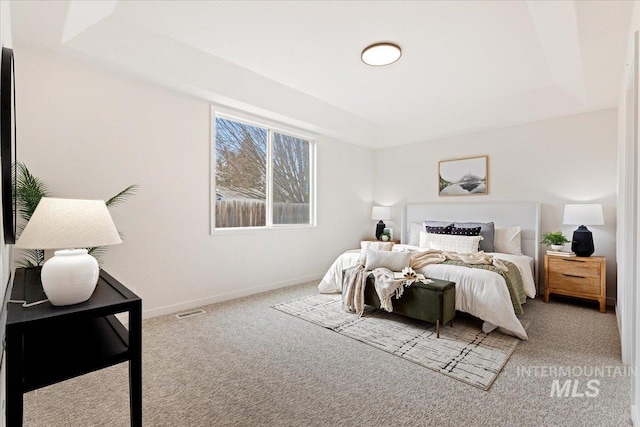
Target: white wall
{"type": "Point", "coordinates": [628, 204]}
{"type": "Point", "coordinates": [89, 133]}
{"type": "Point", "coordinates": [627, 160]}
{"type": "Point", "coordinates": [565, 160]}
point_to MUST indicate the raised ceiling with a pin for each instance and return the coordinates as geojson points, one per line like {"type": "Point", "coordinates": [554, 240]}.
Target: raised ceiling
{"type": "Point", "coordinates": [465, 66]}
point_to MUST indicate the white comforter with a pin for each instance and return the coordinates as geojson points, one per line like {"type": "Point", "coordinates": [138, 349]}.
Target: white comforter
{"type": "Point", "coordinates": [481, 293]}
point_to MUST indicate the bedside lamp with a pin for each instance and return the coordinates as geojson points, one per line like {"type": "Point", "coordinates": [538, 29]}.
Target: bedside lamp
{"type": "Point", "coordinates": [380, 213]}
{"type": "Point", "coordinates": [583, 215]}
{"type": "Point", "coordinates": [70, 277]}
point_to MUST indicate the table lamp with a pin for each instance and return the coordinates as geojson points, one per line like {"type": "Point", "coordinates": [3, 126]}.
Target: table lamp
{"type": "Point", "coordinates": [71, 225]}
{"type": "Point", "coordinates": [380, 213]}
{"type": "Point", "coordinates": [583, 215]}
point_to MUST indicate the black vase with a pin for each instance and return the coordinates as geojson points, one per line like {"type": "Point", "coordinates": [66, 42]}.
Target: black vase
{"type": "Point", "coordinates": [582, 243]}
{"type": "Point", "coordinates": [379, 229]}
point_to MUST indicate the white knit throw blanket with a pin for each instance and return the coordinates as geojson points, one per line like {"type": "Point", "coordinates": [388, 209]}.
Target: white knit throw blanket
{"type": "Point", "coordinates": [354, 282]}
{"type": "Point", "coordinates": [434, 256]}
{"type": "Point", "coordinates": [355, 278]}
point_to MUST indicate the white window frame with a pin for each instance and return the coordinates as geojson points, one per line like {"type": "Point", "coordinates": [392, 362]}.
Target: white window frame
{"type": "Point", "coordinates": [271, 127]}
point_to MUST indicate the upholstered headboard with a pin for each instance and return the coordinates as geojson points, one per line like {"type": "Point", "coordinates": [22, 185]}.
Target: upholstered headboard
{"type": "Point", "coordinates": [503, 214]}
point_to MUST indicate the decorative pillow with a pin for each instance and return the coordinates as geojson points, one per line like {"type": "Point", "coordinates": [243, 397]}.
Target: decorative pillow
{"type": "Point", "coordinates": [486, 231]}
{"type": "Point", "coordinates": [394, 261]}
{"type": "Point", "coordinates": [436, 224]}
{"type": "Point", "coordinates": [506, 240]}
{"type": "Point", "coordinates": [438, 230]}
{"type": "Point", "coordinates": [376, 246]}
{"type": "Point", "coordinates": [465, 231]}
{"type": "Point", "coordinates": [414, 233]}
{"type": "Point", "coordinates": [450, 243]}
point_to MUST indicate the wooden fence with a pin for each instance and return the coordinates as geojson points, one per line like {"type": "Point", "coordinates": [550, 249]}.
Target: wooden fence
{"type": "Point", "coordinates": [252, 213]}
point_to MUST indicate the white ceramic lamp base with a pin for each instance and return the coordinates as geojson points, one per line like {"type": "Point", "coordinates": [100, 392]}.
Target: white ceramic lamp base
{"type": "Point", "coordinates": [70, 277]}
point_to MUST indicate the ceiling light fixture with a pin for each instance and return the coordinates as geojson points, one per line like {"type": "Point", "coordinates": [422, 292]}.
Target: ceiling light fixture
{"type": "Point", "coordinates": [379, 54]}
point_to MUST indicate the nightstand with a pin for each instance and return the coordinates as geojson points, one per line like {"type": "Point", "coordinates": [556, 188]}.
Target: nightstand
{"type": "Point", "coordinates": [582, 277]}
{"type": "Point", "coordinates": [47, 344]}
{"type": "Point", "coordinates": [397, 242]}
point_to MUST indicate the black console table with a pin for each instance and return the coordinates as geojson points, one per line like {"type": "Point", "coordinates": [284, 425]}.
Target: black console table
{"type": "Point", "coordinates": [46, 344]}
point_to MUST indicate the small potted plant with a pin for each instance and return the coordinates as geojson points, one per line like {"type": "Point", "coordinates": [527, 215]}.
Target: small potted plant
{"type": "Point", "coordinates": [556, 240]}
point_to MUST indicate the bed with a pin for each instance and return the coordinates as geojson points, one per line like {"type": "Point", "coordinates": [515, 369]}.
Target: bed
{"type": "Point", "coordinates": [481, 293]}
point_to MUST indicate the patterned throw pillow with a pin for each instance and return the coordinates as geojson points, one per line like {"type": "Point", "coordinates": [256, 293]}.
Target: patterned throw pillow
{"type": "Point", "coordinates": [430, 223]}
{"type": "Point", "coordinates": [439, 230]}
{"type": "Point", "coordinates": [465, 231]}
{"type": "Point", "coordinates": [486, 231]}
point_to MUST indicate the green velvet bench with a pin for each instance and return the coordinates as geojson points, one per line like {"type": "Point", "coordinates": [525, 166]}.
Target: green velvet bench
{"type": "Point", "coordinates": [434, 302]}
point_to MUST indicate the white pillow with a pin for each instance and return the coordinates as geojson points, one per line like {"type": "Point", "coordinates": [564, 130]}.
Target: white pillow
{"type": "Point", "coordinates": [416, 228]}
{"type": "Point", "coordinates": [414, 233]}
{"type": "Point", "coordinates": [394, 261]}
{"type": "Point", "coordinates": [376, 246]}
{"type": "Point", "coordinates": [506, 240]}
{"type": "Point", "coordinates": [450, 243]}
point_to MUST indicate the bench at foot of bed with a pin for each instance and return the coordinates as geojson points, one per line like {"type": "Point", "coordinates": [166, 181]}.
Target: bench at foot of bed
{"type": "Point", "coordinates": [433, 302]}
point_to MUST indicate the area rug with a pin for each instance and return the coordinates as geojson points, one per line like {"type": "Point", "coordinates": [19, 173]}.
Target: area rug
{"type": "Point", "coordinates": [462, 352]}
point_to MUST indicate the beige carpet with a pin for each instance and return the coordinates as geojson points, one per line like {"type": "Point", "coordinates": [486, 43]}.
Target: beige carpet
{"type": "Point", "coordinates": [462, 352]}
{"type": "Point", "coordinates": [246, 364]}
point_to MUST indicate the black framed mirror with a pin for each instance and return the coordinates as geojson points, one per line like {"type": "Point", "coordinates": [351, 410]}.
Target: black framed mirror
{"type": "Point", "coordinates": [8, 145]}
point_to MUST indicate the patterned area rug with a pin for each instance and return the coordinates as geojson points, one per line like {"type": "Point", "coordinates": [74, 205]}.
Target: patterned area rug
{"type": "Point", "coordinates": [462, 352]}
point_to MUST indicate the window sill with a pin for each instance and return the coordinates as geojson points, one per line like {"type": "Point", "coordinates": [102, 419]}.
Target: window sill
{"type": "Point", "coordinates": [259, 230]}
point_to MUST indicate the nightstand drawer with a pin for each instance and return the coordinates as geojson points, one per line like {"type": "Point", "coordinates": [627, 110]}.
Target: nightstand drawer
{"type": "Point", "coordinates": [574, 282]}
{"type": "Point", "coordinates": [575, 267]}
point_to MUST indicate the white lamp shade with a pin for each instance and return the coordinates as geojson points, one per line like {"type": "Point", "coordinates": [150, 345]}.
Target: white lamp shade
{"type": "Point", "coordinates": [583, 214]}
{"type": "Point", "coordinates": [69, 277]}
{"type": "Point", "coordinates": [381, 212]}
{"type": "Point", "coordinates": [69, 223]}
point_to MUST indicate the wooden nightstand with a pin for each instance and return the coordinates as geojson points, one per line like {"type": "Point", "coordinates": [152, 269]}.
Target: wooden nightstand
{"type": "Point", "coordinates": [582, 277]}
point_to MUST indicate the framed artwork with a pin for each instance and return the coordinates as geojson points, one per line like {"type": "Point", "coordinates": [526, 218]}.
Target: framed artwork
{"type": "Point", "coordinates": [8, 145]}
{"type": "Point", "coordinates": [464, 177]}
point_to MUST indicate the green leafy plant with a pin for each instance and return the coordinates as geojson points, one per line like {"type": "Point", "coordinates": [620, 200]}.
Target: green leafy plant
{"type": "Point", "coordinates": [554, 238]}
{"type": "Point", "coordinates": [29, 190]}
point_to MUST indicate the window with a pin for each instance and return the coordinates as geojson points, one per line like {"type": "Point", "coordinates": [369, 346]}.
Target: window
{"type": "Point", "coordinates": [263, 176]}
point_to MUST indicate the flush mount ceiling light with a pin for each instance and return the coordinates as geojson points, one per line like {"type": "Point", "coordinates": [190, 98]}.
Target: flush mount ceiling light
{"type": "Point", "coordinates": [381, 54]}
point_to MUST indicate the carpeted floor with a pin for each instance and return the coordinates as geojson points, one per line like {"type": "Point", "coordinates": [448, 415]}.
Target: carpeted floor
{"type": "Point", "coordinates": [462, 351]}
{"type": "Point", "coordinates": [246, 364]}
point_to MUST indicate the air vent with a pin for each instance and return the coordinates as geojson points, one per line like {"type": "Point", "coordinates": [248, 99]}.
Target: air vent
{"type": "Point", "coordinates": [190, 314]}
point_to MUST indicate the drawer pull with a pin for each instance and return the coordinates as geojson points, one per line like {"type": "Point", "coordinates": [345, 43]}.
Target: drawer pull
{"type": "Point", "coordinates": [574, 275]}
{"type": "Point", "coordinates": [573, 260]}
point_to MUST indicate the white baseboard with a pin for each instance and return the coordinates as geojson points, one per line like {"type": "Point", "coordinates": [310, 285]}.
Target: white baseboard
{"type": "Point", "coordinates": [635, 415]}
{"type": "Point", "coordinates": [160, 311]}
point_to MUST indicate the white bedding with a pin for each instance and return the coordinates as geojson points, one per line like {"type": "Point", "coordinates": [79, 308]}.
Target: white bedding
{"type": "Point", "coordinates": [481, 293]}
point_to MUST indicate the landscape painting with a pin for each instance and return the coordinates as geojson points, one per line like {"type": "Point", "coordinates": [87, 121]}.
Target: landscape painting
{"type": "Point", "coordinates": [463, 177]}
